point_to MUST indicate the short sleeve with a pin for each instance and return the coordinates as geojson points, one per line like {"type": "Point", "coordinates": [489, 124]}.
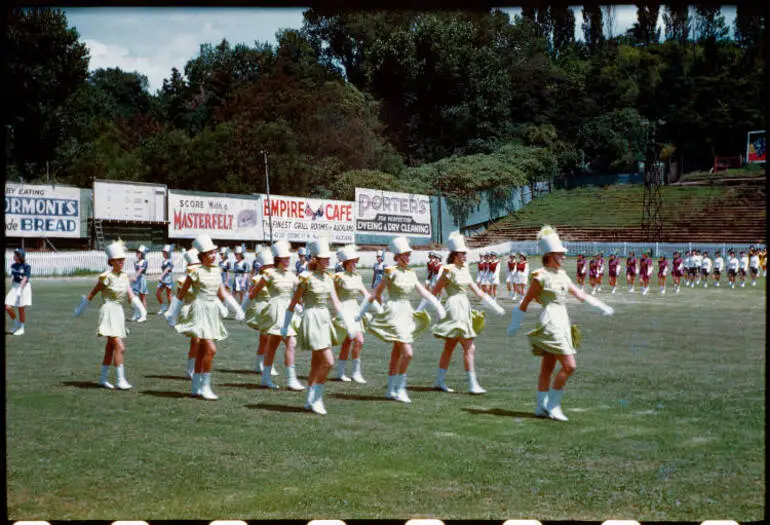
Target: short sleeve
{"type": "Point", "coordinates": [194, 275]}
{"type": "Point", "coordinates": [539, 276]}
{"type": "Point", "coordinates": [104, 278]}
{"type": "Point", "coordinates": [304, 281]}
{"type": "Point", "coordinates": [27, 270]}
{"type": "Point", "coordinates": [448, 274]}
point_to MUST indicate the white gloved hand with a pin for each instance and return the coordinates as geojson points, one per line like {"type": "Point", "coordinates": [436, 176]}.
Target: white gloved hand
{"type": "Point", "coordinates": [240, 315]}
{"type": "Point", "coordinates": [516, 317]}
{"type": "Point", "coordinates": [222, 309]}
{"type": "Point", "coordinates": [299, 309]}
{"type": "Point", "coordinates": [365, 305]}
{"type": "Point", "coordinates": [423, 304]}
{"type": "Point", "coordinates": [139, 308]}
{"type": "Point", "coordinates": [436, 304]}
{"type": "Point", "coordinates": [286, 323]}
{"type": "Point", "coordinates": [596, 303]}
{"type": "Point", "coordinates": [84, 302]}
{"type": "Point", "coordinates": [172, 314]}
{"type": "Point", "coordinates": [492, 304]}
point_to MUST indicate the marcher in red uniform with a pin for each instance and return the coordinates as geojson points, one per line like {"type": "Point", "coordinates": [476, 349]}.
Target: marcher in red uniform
{"type": "Point", "coordinates": [613, 265]}
{"type": "Point", "coordinates": [630, 271]}
{"type": "Point", "coordinates": [678, 270]}
{"type": "Point", "coordinates": [662, 273]}
{"type": "Point", "coordinates": [644, 273]}
{"type": "Point", "coordinates": [593, 273]}
{"type": "Point", "coordinates": [580, 278]}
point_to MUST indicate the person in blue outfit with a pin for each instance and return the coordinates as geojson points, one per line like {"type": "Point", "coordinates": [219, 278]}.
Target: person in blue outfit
{"type": "Point", "coordinates": [378, 270]}
{"type": "Point", "coordinates": [20, 295]}
{"type": "Point", "coordinates": [166, 281]}
{"type": "Point", "coordinates": [139, 281]}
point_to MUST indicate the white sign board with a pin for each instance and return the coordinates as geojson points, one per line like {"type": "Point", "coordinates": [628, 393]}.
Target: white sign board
{"type": "Point", "coordinates": [41, 211]}
{"type": "Point", "coordinates": [391, 213]}
{"type": "Point", "coordinates": [122, 201]}
{"type": "Point", "coordinates": [301, 219]}
{"type": "Point", "coordinates": [227, 218]}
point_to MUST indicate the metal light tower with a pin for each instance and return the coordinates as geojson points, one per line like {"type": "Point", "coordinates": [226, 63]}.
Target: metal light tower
{"type": "Point", "coordinates": [267, 191]}
{"type": "Point", "coordinates": [652, 206]}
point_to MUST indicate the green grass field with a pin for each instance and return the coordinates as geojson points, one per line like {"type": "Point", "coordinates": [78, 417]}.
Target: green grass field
{"type": "Point", "coordinates": [667, 422]}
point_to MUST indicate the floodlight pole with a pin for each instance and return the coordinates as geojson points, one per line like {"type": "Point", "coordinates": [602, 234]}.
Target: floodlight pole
{"type": "Point", "coordinates": [267, 190]}
{"type": "Point", "coordinates": [652, 206]}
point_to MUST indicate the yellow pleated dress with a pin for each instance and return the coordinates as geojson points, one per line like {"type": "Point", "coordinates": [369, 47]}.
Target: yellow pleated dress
{"type": "Point", "coordinates": [461, 320]}
{"type": "Point", "coordinates": [205, 319]}
{"type": "Point", "coordinates": [112, 319]}
{"type": "Point", "coordinates": [254, 311]}
{"type": "Point", "coordinates": [317, 331]}
{"type": "Point", "coordinates": [280, 285]}
{"type": "Point", "coordinates": [553, 332]}
{"type": "Point", "coordinates": [398, 322]}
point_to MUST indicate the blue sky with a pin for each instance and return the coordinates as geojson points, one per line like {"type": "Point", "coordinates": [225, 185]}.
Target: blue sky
{"type": "Point", "coordinates": [152, 40]}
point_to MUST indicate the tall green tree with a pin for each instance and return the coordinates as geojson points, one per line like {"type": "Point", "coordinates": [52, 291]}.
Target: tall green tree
{"type": "Point", "coordinates": [592, 26]}
{"type": "Point", "coordinates": [45, 64]}
{"type": "Point", "coordinates": [563, 28]}
{"type": "Point", "coordinates": [645, 30]}
{"type": "Point", "coordinates": [710, 23]}
{"type": "Point", "coordinates": [676, 20]}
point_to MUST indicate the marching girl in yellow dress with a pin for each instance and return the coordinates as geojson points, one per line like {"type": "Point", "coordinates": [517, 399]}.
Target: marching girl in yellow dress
{"type": "Point", "coordinates": [191, 258]}
{"type": "Point", "coordinates": [399, 322]}
{"type": "Point", "coordinates": [256, 301]}
{"type": "Point", "coordinates": [461, 324]}
{"type": "Point", "coordinates": [115, 287]}
{"type": "Point", "coordinates": [280, 283]}
{"type": "Point", "coordinates": [317, 332]}
{"type": "Point", "coordinates": [554, 338]}
{"type": "Point", "coordinates": [205, 315]}
{"type": "Point", "coordinates": [349, 285]}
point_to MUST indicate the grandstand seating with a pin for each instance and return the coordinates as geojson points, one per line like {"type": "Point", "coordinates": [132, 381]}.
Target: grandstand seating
{"type": "Point", "coordinates": [741, 218]}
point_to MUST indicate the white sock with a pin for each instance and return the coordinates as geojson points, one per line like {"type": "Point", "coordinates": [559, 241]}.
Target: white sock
{"type": "Point", "coordinates": [105, 373]}
{"type": "Point", "coordinates": [260, 362]}
{"type": "Point", "coordinates": [267, 370]}
{"type": "Point", "coordinates": [391, 382]}
{"type": "Point", "coordinates": [401, 382]}
{"type": "Point", "coordinates": [542, 399]}
{"type": "Point", "coordinates": [441, 376]}
{"type": "Point", "coordinates": [121, 373]}
{"type": "Point", "coordinates": [190, 365]}
{"type": "Point", "coordinates": [341, 365]}
{"type": "Point", "coordinates": [290, 373]}
{"type": "Point", "coordinates": [357, 366]}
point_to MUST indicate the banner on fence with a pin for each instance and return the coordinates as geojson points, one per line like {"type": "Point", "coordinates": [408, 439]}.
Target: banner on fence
{"type": "Point", "coordinates": [233, 218]}
{"type": "Point", "coordinates": [756, 147]}
{"type": "Point", "coordinates": [392, 213]}
{"type": "Point", "coordinates": [129, 201]}
{"type": "Point", "coordinates": [301, 219]}
{"type": "Point", "coordinates": [41, 211]}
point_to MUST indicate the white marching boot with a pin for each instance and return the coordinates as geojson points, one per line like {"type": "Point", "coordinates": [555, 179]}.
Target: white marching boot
{"type": "Point", "coordinates": [541, 408]}
{"type": "Point", "coordinates": [391, 392]}
{"type": "Point", "coordinates": [197, 380]}
{"type": "Point", "coordinates": [341, 366]}
{"type": "Point", "coordinates": [292, 383]}
{"type": "Point", "coordinates": [310, 397]}
{"type": "Point", "coordinates": [554, 405]}
{"type": "Point", "coordinates": [357, 375]}
{"type": "Point", "coordinates": [401, 394]}
{"type": "Point", "coordinates": [206, 392]}
{"type": "Point", "coordinates": [103, 382]}
{"type": "Point", "coordinates": [440, 383]}
{"type": "Point", "coordinates": [190, 367]}
{"type": "Point", "coordinates": [473, 384]}
{"type": "Point", "coordinates": [267, 378]}
{"type": "Point", "coordinates": [122, 383]}
{"type": "Point", "coordinates": [318, 400]}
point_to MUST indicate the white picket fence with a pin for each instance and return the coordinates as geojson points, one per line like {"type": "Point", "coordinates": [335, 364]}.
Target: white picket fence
{"type": "Point", "coordinates": [46, 264]}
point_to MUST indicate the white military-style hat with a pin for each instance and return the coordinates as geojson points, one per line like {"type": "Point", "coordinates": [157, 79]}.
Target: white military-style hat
{"type": "Point", "coordinates": [399, 245]}
{"type": "Point", "coordinates": [281, 249]}
{"type": "Point", "coordinates": [143, 249]}
{"type": "Point", "coordinates": [116, 250]}
{"type": "Point", "coordinates": [191, 257]}
{"type": "Point", "coordinates": [166, 248]}
{"type": "Point", "coordinates": [203, 244]}
{"type": "Point", "coordinates": [265, 257]}
{"type": "Point", "coordinates": [348, 253]}
{"type": "Point", "coordinates": [456, 242]}
{"type": "Point", "coordinates": [302, 251]}
{"type": "Point", "coordinates": [549, 242]}
{"type": "Point", "coordinates": [223, 250]}
{"type": "Point", "coordinates": [238, 250]}
{"type": "Point", "coordinates": [381, 253]}
{"type": "Point", "coordinates": [320, 248]}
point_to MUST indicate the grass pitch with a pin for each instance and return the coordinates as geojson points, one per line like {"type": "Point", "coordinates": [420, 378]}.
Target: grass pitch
{"type": "Point", "coordinates": [667, 419]}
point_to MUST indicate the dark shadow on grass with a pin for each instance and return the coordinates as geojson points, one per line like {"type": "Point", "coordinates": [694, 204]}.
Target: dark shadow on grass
{"type": "Point", "coordinates": [176, 378]}
{"type": "Point", "coordinates": [357, 397]}
{"type": "Point", "coordinates": [82, 384]}
{"type": "Point", "coordinates": [248, 386]}
{"type": "Point", "coordinates": [501, 412]}
{"type": "Point", "coordinates": [163, 393]}
{"type": "Point", "coordinates": [277, 408]}
{"type": "Point", "coordinates": [229, 371]}
{"type": "Point", "coordinates": [428, 389]}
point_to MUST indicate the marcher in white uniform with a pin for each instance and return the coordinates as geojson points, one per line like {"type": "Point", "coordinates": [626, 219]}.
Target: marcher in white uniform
{"type": "Point", "coordinates": [399, 322]}
{"type": "Point", "coordinates": [20, 295]}
{"type": "Point", "coordinates": [115, 288]}
{"type": "Point", "coordinates": [280, 283]}
{"type": "Point", "coordinates": [743, 268]}
{"type": "Point", "coordinates": [753, 266]}
{"type": "Point", "coordinates": [510, 272]}
{"type": "Point", "coordinates": [192, 260]}
{"type": "Point", "coordinates": [205, 317]}
{"type": "Point", "coordinates": [317, 332]}
{"type": "Point", "coordinates": [256, 302]}
{"type": "Point", "coordinates": [554, 337]}
{"type": "Point", "coordinates": [697, 265]}
{"type": "Point", "coordinates": [719, 267]}
{"type": "Point", "coordinates": [733, 265]}
{"type": "Point", "coordinates": [349, 285]}
{"type": "Point", "coordinates": [462, 324]}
